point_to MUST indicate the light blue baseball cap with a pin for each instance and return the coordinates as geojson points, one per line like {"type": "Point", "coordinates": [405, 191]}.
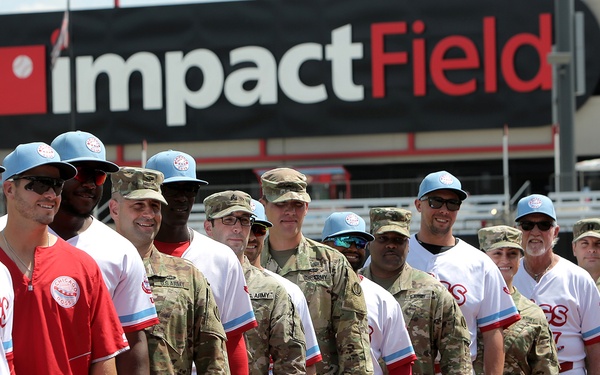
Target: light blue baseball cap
{"type": "Point", "coordinates": [339, 223]}
{"type": "Point", "coordinates": [535, 204]}
{"type": "Point", "coordinates": [78, 146]}
{"type": "Point", "coordinates": [441, 180]}
{"type": "Point", "coordinates": [177, 166]}
{"type": "Point", "coordinates": [259, 212]}
{"type": "Point", "coordinates": [30, 155]}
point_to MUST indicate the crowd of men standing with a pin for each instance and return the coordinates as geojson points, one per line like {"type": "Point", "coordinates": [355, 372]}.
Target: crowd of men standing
{"type": "Point", "coordinates": [255, 296]}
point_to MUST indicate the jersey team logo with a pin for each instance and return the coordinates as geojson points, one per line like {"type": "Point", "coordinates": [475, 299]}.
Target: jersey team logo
{"type": "Point", "coordinates": [446, 179]}
{"type": "Point", "coordinates": [4, 309]}
{"type": "Point", "coordinates": [46, 151]}
{"type": "Point", "coordinates": [65, 291]}
{"type": "Point", "coordinates": [146, 286]}
{"type": "Point", "coordinates": [181, 163]}
{"type": "Point", "coordinates": [535, 203]}
{"type": "Point", "coordinates": [352, 220]}
{"type": "Point", "coordinates": [93, 144]}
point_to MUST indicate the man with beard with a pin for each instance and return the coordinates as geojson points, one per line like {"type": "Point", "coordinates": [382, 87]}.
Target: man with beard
{"type": "Point", "coordinates": [121, 266]}
{"type": "Point", "coordinates": [215, 260]}
{"type": "Point", "coordinates": [470, 276]}
{"type": "Point", "coordinates": [565, 292]}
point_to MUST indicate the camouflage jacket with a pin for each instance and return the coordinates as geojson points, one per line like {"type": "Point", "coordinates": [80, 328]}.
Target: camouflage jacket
{"type": "Point", "coordinates": [279, 333]}
{"type": "Point", "coordinates": [529, 347]}
{"type": "Point", "coordinates": [190, 329]}
{"type": "Point", "coordinates": [434, 322]}
{"type": "Point", "coordinates": [336, 304]}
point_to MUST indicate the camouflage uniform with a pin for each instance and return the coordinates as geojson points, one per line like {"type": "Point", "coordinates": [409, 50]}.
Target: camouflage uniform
{"type": "Point", "coordinates": [190, 328]}
{"type": "Point", "coordinates": [336, 303]}
{"type": "Point", "coordinates": [279, 333]}
{"type": "Point", "coordinates": [528, 344]}
{"type": "Point", "coordinates": [434, 322]}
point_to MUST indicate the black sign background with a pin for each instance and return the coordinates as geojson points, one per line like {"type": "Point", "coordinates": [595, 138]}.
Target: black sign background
{"type": "Point", "coordinates": [277, 26]}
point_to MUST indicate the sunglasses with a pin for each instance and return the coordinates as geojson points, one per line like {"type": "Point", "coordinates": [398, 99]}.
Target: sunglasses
{"type": "Point", "coordinates": [41, 184]}
{"type": "Point", "coordinates": [542, 225]}
{"type": "Point", "coordinates": [259, 230]}
{"type": "Point", "coordinates": [347, 241]}
{"type": "Point", "coordinates": [86, 174]}
{"type": "Point", "coordinates": [174, 190]}
{"type": "Point", "coordinates": [437, 202]}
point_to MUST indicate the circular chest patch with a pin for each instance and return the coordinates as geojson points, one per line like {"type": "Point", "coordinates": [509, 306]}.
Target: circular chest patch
{"type": "Point", "coordinates": [352, 220]}
{"type": "Point", "coordinates": [65, 291]}
{"type": "Point", "coordinates": [93, 144]}
{"type": "Point", "coordinates": [46, 151]}
{"type": "Point", "coordinates": [181, 163]}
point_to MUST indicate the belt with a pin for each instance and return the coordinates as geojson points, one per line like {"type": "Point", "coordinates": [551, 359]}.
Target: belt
{"type": "Point", "coordinates": [566, 366]}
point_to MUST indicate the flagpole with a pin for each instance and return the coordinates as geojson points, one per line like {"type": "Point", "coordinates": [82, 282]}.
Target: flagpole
{"type": "Point", "coordinates": [505, 172]}
{"type": "Point", "coordinates": [73, 125]}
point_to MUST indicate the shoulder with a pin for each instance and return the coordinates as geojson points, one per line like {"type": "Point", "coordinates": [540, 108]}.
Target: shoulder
{"type": "Point", "coordinates": [321, 250]}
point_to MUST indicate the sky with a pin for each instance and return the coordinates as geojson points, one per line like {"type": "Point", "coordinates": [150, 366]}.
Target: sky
{"type": "Point", "coordinates": [36, 6]}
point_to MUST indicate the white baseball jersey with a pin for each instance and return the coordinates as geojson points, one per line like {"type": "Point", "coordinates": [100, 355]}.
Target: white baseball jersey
{"type": "Point", "coordinates": [7, 298]}
{"type": "Point", "coordinates": [122, 270]}
{"type": "Point", "coordinates": [475, 282]}
{"type": "Point", "coordinates": [387, 329]}
{"type": "Point", "coordinates": [313, 353]}
{"type": "Point", "coordinates": [224, 272]}
{"type": "Point", "coordinates": [569, 298]}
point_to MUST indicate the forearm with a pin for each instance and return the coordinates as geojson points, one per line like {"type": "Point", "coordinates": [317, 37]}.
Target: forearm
{"type": "Point", "coordinates": [592, 359]}
{"type": "Point", "coordinates": [107, 367]}
{"type": "Point", "coordinates": [134, 361]}
{"type": "Point", "coordinates": [493, 352]}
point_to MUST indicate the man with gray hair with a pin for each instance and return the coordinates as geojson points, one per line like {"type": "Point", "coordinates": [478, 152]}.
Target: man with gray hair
{"type": "Point", "coordinates": [190, 330]}
{"type": "Point", "coordinates": [332, 288]}
{"type": "Point", "coordinates": [279, 336]}
{"type": "Point", "coordinates": [565, 292]}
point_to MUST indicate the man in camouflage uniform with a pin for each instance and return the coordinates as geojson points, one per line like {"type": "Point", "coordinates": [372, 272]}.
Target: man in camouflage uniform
{"type": "Point", "coordinates": [190, 329]}
{"type": "Point", "coordinates": [279, 336]}
{"type": "Point", "coordinates": [586, 246]}
{"type": "Point", "coordinates": [332, 289]}
{"type": "Point", "coordinates": [435, 323]}
{"type": "Point", "coordinates": [528, 344]}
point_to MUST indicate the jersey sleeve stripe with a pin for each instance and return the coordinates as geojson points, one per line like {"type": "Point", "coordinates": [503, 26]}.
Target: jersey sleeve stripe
{"type": "Point", "coordinates": [149, 313]}
{"type": "Point", "coordinates": [312, 360]}
{"type": "Point", "coordinates": [312, 351]}
{"type": "Point", "coordinates": [399, 355]}
{"type": "Point", "coordinates": [500, 316]}
{"type": "Point", "coordinates": [242, 321]}
{"type": "Point", "coordinates": [140, 326]}
{"type": "Point", "coordinates": [591, 336]}
{"type": "Point", "coordinates": [7, 345]}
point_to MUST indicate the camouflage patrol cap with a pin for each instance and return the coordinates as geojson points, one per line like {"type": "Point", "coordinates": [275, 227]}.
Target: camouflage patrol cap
{"type": "Point", "coordinates": [138, 183]}
{"type": "Point", "coordinates": [226, 202]}
{"type": "Point", "coordinates": [585, 228]}
{"type": "Point", "coordinates": [499, 236]}
{"type": "Point", "coordinates": [284, 184]}
{"type": "Point", "coordinates": [390, 219]}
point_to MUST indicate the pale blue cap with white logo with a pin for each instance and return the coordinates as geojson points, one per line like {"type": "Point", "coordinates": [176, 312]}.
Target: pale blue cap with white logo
{"type": "Point", "coordinates": [30, 155]}
{"type": "Point", "coordinates": [345, 223]}
{"type": "Point", "coordinates": [177, 166]}
{"type": "Point", "coordinates": [441, 180]}
{"type": "Point", "coordinates": [259, 212]}
{"type": "Point", "coordinates": [535, 204]}
{"type": "Point", "coordinates": [78, 146]}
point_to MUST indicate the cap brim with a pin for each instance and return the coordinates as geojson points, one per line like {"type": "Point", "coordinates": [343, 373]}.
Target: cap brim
{"type": "Point", "coordinates": [366, 235]}
{"type": "Point", "coordinates": [267, 224]}
{"type": "Point", "coordinates": [184, 179]}
{"type": "Point", "coordinates": [393, 228]}
{"type": "Point", "coordinates": [231, 210]}
{"type": "Point", "coordinates": [533, 212]}
{"type": "Point", "coordinates": [587, 234]}
{"type": "Point", "coordinates": [102, 165]}
{"type": "Point", "coordinates": [462, 195]}
{"type": "Point", "coordinates": [289, 196]}
{"type": "Point", "coordinates": [502, 244]}
{"type": "Point", "coordinates": [145, 194]}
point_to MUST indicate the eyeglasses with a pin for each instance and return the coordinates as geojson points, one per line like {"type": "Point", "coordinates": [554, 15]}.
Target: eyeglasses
{"type": "Point", "coordinates": [347, 241]}
{"type": "Point", "coordinates": [41, 184]}
{"type": "Point", "coordinates": [174, 189]}
{"type": "Point", "coordinates": [259, 230]}
{"type": "Point", "coordinates": [85, 174]}
{"type": "Point", "coordinates": [542, 225]}
{"type": "Point", "coordinates": [437, 202]}
{"type": "Point", "coordinates": [232, 220]}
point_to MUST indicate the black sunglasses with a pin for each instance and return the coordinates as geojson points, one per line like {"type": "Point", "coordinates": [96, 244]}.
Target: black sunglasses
{"type": "Point", "coordinates": [347, 241]}
{"type": "Point", "coordinates": [437, 202]}
{"type": "Point", "coordinates": [542, 225]}
{"type": "Point", "coordinates": [259, 230]}
{"type": "Point", "coordinates": [41, 184]}
{"type": "Point", "coordinates": [85, 174]}
{"type": "Point", "coordinates": [173, 189]}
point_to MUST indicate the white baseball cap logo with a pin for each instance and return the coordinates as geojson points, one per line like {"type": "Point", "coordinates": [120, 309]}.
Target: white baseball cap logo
{"type": "Point", "coordinates": [181, 163]}
{"type": "Point", "coordinates": [93, 144]}
{"type": "Point", "coordinates": [46, 151]}
{"type": "Point", "coordinates": [65, 291]}
{"type": "Point", "coordinates": [252, 206]}
{"type": "Point", "coordinates": [352, 220]}
{"type": "Point", "coordinates": [446, 179]}
{"type": "Point", "coordinates": [535, 202]}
